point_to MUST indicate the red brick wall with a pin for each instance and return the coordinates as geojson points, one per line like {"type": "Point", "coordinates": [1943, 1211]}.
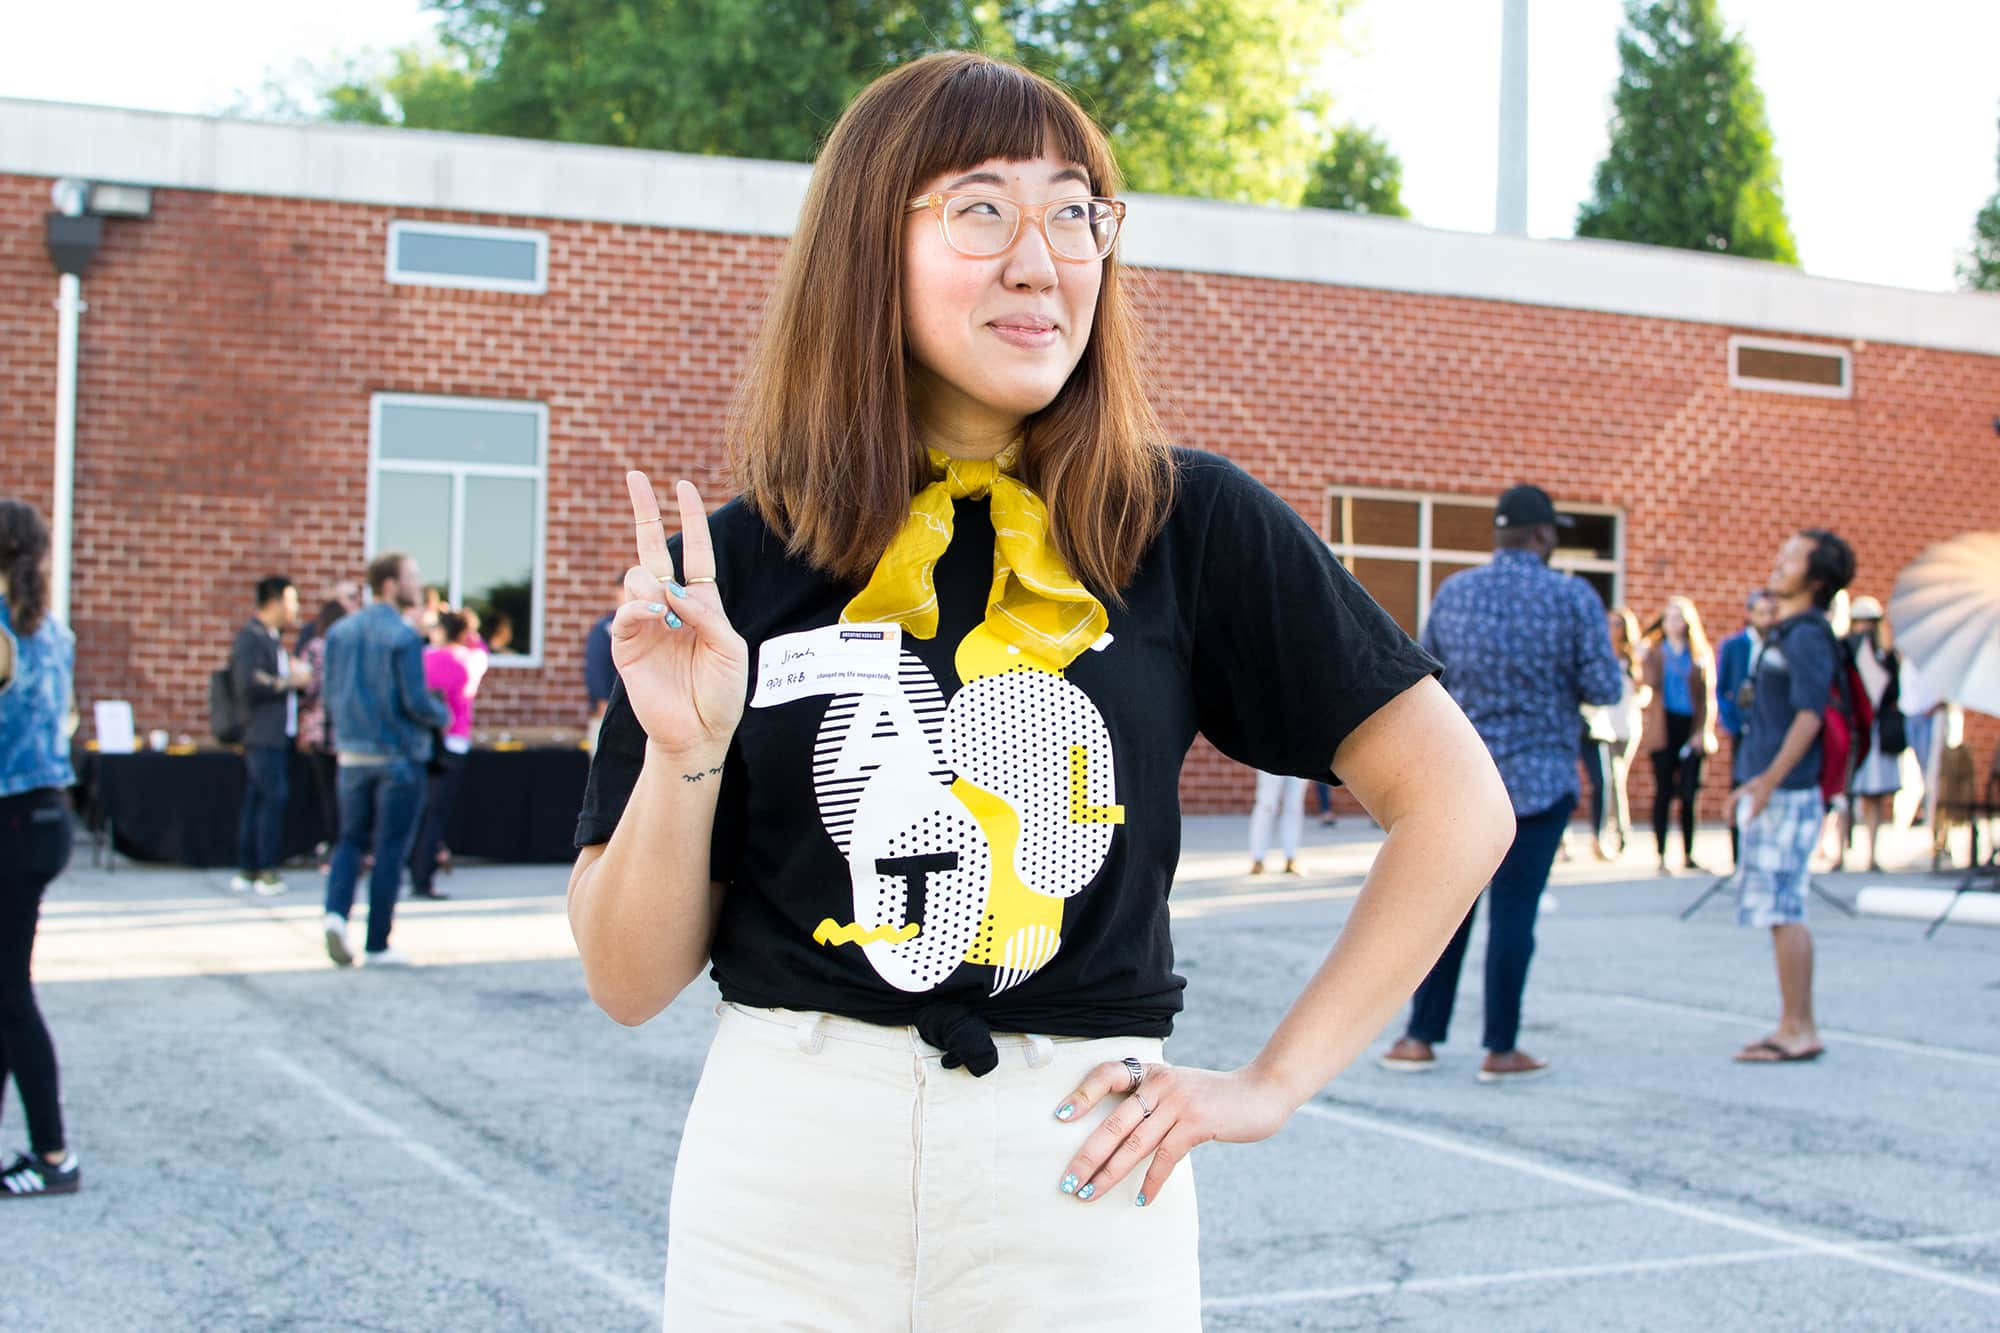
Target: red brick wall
{"type": "Point", "coordinates": [232, 343]}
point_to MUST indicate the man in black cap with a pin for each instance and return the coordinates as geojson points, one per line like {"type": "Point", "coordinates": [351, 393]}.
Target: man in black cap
{"type": "Point", "coordinates": [1523, 647]}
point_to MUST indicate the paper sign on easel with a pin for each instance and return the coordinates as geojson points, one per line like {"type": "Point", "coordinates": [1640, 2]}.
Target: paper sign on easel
{"type": "Point", "coordinates": [115, 733]}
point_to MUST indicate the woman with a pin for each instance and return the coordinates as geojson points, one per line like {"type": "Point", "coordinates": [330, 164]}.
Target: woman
{"type": "Point", "coordinates": [451, 669]}
{"type": "Point", "coordinates": [1680, 722]}
{"type": "Point", "coordinates": [1625, 719]}
{"type": "Point", "coordinates": [316, 728]}
{"type": "Point", "coordinates": [1280, 801]}
{"type": "Point", "coordinates": [37, 677]}
{"type": "Point", "coordinates": [897, 751]}
{"type": "Point", "coordinates": [1880, 775]}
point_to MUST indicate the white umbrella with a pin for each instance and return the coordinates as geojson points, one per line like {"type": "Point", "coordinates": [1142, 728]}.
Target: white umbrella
{"type": "Point", "coordinates": [1946, 614]}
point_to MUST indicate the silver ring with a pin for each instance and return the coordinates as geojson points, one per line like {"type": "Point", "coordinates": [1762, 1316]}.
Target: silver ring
{"type": "Point", "coordinates": [1144, 1106]}
{"type": "Point", "coordinates": [1136, 1070]}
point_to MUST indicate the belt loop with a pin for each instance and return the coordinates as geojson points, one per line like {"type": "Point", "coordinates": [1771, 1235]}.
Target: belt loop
{"type": "Point", "coordinates": [1041, 1050]}
{"type": "Point", "coordinates": [811, 1040]}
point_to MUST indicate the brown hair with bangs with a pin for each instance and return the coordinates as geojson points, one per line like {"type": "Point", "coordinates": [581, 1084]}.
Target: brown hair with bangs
{"type": "Point", "coordinates": [822, 441]}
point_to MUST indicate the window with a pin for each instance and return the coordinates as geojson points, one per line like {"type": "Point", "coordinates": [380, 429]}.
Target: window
{"type": "Point", "coordinates": [1819, 369]}
{"type": "Point", "coordinates": [1403, 546]}
{"type": "Point", "coordinates": [493, 259]}
{"type": "Point", "coordinates": [459, 484]}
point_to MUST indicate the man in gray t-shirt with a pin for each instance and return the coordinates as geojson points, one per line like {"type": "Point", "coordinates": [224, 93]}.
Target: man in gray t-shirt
{"type": "Point", "coordinates": [1779, 808]}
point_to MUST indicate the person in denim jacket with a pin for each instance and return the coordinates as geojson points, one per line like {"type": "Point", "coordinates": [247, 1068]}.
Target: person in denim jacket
{"type": "Point", "coordinates": [382, 716]}
{"type": "Point", "coordinates": [37, 672]}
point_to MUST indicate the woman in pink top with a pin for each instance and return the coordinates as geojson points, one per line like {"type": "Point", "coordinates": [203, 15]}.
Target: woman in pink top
{"type": "Point", "coordinates": [449, 671]}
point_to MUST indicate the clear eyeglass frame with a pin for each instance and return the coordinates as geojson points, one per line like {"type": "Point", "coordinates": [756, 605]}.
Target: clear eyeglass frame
{"type": "Point", "coordinates": [936, 201]}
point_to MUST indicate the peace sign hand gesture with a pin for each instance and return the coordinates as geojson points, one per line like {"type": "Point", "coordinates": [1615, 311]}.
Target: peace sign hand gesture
{"type": "Point", "coordinates": [685, 667]}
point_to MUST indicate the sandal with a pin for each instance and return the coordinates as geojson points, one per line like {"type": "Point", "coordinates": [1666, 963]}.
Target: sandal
{"type": "Point", "coordinates": [1768, 1052]}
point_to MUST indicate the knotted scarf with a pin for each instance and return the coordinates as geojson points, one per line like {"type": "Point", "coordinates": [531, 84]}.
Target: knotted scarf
{"type": "Point", "coordinates": [1035, 603]}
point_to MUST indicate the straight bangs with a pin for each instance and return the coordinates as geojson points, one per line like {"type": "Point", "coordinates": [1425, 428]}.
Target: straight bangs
{"type": "Point", "coordinates": [822, 441]}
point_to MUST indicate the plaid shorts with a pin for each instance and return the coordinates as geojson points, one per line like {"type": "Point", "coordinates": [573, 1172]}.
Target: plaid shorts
{"type": "Point", "coordinates": [1773, 874]}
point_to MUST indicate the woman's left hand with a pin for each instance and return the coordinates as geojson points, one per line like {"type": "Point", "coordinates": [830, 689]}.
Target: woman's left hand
{"type": "Point", "coordinates": [1188, 1107]}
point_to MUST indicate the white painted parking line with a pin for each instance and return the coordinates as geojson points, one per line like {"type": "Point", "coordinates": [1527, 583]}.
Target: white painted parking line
{"type": "Point", "coordinates": [1475, 1281]}
{"type": "Point", "coordinates": [1850, 1248]}
{"type": "Point", "coordinates": [1983, 1059]}
{"type": "Point", "coordinates": [634, 1294]}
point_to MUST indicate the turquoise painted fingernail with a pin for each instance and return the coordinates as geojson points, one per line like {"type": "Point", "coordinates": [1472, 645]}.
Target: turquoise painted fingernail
{"type": "Point", "coordinates": [1140, 1202]}
{"type": "Point", "coordinates": [676, 589]}
{"type": "Point", "coordinates": [1067, 1110]}
{"type": "Point", "coordinates": [1069, 1184]}
{"type": "Point", "coordinates": [656, 607]}
{"type": "Point", "coordinates": [673, 621]}
{"type": "Point", "coordinates": [1086, 1191]}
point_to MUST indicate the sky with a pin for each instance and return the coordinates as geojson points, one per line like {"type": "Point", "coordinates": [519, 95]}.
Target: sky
{"type": "Point", "coordinates": [1884, 115]}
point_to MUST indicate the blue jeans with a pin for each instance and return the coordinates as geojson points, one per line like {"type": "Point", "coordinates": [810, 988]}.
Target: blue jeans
{"type": "Point", "coordinates": [261, 827]}
{"type": "Point", "coordinates": [379, 805]}
{"type": "Point", "coordinates": [1514, 895]}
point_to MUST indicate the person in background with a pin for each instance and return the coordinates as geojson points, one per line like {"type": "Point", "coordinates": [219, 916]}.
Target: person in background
{"type": "Point", "coordinates": [1880, 775]}
{"type": "Point", "coordinates": [1735, 660]}
{"type": "Point", "coordinates": [1594, 742]}
{"type": "Point", "coordinates": [1920, 706]}
{"type": "Point", "coordinates": [1627, 717]}
{"type": "Point", "coordinates": [316, 741]}
{"type": "Point", "coordinates": [345, 594]}
{"type": "Point", "coordinates": [1680, 722]}
{"type": "Point", "coordinates": [599, 674]}
{"type": "Point", "coordinates": [448, 672]}
{"type": "Point", "coordinates": [501, 640]}
{"type": "Point", "coordinates": [268, 682]}
{"type": "Point", "coordinates": [1323, 801]}
{"type": "Point", "coordinates": [436, 602]}
{"type": "Point", "coordinates": [37, 679]}
{"type": "Point", "coordinates": [383, 715]}
{"type": "Point", "coordinates": [1281, 799]}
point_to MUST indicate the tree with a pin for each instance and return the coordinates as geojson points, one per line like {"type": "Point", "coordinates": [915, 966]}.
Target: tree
{"type": "Point", "coordinates": [1690, 162]}
{"type": "Point", "coordinates": [1981, 270]}
{"type": "Point", "coordinates": [1205, 97]}
{"type": "Point", "coordinates": [1358, 173]}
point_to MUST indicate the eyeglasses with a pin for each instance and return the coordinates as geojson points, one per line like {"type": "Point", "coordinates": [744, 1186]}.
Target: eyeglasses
{"type": "Point", "coordinates": [980, 226]}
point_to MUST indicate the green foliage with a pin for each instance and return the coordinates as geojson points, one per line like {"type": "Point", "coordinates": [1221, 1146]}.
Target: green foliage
{"type": "Point", "coordinates": [1203, 97]}
{"type": "Point", "coordinates": [1690, 162]}
{"type": "Point", "coordinates": [1981, 270]}
{"type": "Point", "coordinates": [1358, 173]}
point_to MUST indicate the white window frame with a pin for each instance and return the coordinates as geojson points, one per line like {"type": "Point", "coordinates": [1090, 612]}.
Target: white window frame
{"type": "Point", "coordinates": [536, 286]}
{"type": "Point", "coordinates": [458, 472]}
{"type": "Point", "coordinates": [1423, 555]}
{"type": "Point", "coordinates": [1845, 389]}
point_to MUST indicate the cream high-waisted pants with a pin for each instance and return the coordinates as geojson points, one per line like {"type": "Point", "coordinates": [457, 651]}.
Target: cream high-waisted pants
{"type": "Point", "coordinates": [834, 1175]}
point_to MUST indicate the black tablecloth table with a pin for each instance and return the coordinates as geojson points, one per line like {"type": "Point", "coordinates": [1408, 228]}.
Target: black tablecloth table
{"type": "Point", "coordinates": [514, 805]}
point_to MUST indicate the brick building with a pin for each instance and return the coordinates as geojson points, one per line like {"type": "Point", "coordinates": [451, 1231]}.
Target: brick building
{"type": "Point", "coordinates": [323, 339]}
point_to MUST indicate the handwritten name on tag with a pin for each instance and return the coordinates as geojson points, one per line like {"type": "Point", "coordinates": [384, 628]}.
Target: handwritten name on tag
{"type": "Point", "coordinates": [839, 659]}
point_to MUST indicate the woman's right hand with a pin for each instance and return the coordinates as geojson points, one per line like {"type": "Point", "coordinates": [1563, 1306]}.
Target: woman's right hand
{"type": "Point", "coordinates": [685, 668]}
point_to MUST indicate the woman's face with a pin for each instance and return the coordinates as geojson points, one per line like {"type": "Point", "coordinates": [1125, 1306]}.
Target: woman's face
{"type": "Point", "coordinates": [1674, 623]}
{"type": "Point", "coordinates": [1617, 627]}
{"type": "Point", "coordinates": [995, 339]}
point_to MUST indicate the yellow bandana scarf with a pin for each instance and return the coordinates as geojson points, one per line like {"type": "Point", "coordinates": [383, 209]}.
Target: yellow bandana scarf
{"type": "Point", "coordinates": [1036, 604]}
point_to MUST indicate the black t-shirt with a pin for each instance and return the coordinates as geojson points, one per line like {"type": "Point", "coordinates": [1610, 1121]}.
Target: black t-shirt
{"type": "Point", "coordinates": [857, 832]}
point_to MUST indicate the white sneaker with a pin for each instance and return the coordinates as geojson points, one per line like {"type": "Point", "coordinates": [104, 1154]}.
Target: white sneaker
{"type": "Point", "coordinates": [388, 958]}
{"type": "Point", "coordinates": [241, 883]}
{"type": "Point", "coordinates": [336, 941]}
{"type": "Point", "coordinates": [270, 886]}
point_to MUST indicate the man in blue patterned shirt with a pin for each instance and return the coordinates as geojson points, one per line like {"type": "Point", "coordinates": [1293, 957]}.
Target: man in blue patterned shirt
{"type": "Point", "coordinates": [1523, 647]}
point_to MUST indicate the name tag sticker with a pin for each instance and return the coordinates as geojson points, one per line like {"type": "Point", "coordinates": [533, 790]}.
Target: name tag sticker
{"type": "Point", "coordinates": [838, 659]}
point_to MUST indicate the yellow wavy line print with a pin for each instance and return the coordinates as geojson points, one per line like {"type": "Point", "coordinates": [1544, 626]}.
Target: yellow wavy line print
{"type": "Point", "coordinates": [830, 931]}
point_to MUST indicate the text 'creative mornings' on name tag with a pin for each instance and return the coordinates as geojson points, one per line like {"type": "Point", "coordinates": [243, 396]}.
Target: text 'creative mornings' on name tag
{"type": "Point", "coordinates": [839, 659]}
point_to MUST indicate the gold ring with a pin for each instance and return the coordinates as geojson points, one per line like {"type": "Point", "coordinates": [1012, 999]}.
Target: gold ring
{"type": "Point", "coordinates": [705, 578]}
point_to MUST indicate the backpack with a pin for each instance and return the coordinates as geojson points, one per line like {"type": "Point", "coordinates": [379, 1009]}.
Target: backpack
{"type": "Point", "coordinates": [225, 710]}
{"type": "Point", "coordinates": [1847, 723]}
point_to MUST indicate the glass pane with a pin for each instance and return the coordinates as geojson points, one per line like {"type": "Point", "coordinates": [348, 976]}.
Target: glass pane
{"type": "Point", "coordinates": [506, 257]}
{"type": "Point", "coordinates": [1393, 583]}
{"type": "Point", "coordinates": [1459, 526]}
{"type": "Point", "coordinates": [1595, 537]}
{"type": "Point", "coordinates": [1385, 523]}
{"type": "Point", "coordinates": [447, 433]}
{"type": "Point", "coordinates": [413, 513]}
{"type": "Point", "coordinates": [498, 580]}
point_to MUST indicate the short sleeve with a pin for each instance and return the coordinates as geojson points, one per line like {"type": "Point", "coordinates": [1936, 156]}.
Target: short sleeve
{"type": "Point", "coordinates": [1290, 653]}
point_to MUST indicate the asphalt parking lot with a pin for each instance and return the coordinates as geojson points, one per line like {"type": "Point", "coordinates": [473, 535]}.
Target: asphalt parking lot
{"type": "Point", "coordinates": [269, 1143]}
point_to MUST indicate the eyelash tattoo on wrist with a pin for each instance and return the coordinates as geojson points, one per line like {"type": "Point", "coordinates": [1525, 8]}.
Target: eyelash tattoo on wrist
{"type": "Point", "coordinates": [697, 777]}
